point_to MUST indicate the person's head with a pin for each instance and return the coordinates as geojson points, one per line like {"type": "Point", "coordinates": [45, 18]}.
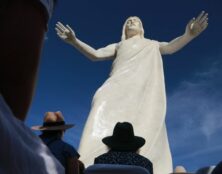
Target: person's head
{"type": "Point", "coordinates": [123, 138]}
{"type": "Point", "coordinates": [218, 168]}
{"type": "Point", "coordinates": [54, 133]}
{"type": "Point", "coordinates": [53, 125]}
{"type": "Point", "coordinates": [180, 170]}
{"type": "Point", "coordinates": [133, 26]}
{"type": "Point", "coordinates": [205, 170]}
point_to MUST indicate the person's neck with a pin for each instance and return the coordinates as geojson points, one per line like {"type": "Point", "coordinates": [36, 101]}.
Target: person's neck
{"type": "Point", "coordinates": [133, 36]}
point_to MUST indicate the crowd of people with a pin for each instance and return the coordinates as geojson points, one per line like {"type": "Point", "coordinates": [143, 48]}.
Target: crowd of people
{"type": "Point", "coordinates": [123, 145]}
{"type": "Point", "coordinates": [21, 150]}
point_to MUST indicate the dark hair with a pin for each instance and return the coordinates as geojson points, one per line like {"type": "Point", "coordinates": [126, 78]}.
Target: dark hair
{"type": "Point", "coordinates": [54, 133]}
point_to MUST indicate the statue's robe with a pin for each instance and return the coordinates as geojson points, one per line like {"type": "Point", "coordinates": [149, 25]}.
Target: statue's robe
{"type": "Point", "coordinates": [134, 92]}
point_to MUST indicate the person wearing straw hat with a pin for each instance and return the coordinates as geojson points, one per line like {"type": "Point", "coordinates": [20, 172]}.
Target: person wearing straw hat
{"type": "Point", "coordinates": [123, 147]}
{"type": "Point", "coordinates": [53, 129]}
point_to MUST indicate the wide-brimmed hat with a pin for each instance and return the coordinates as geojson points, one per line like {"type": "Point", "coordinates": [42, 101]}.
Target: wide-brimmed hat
{"type": "Point", "coordinates": [53, 121]}
{"type": "Point", "coordinates": [123, 138]}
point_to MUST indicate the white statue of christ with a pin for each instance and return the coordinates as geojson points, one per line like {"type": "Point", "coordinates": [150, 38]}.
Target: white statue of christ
{"type": "Point", "coordinates": [134, 91]}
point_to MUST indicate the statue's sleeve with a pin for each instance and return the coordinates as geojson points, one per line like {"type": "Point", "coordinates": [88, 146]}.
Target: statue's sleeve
{"type": "Point", "coordinates": [106, 53]}
{"type": "Point", "coordinates": [160, 46]}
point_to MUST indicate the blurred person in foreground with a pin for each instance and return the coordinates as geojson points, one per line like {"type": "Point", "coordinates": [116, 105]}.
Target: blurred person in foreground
{"type": "Point", "coordinates": [23, 26]}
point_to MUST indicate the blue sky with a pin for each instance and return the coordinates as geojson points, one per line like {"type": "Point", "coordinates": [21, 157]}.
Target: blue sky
{"type": "Point", "coordinates": [67, 80]}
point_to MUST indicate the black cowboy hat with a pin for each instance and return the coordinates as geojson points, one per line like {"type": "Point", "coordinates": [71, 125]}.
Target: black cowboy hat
{"type": "Point", "coordinates": [123, 138]}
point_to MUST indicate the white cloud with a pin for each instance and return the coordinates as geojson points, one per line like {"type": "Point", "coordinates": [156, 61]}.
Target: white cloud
{"type": "Point", "coordinates": [194, 116]}
{"type": "Point", "coordinates": [200, 152]}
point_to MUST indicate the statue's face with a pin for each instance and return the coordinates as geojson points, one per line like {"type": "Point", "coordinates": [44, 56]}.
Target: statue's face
{"type": "Point", "coordinates": [133, 26]}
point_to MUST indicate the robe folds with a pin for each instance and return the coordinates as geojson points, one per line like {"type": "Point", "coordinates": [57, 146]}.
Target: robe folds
{"type": "Point", "coordinates": [134, 92]}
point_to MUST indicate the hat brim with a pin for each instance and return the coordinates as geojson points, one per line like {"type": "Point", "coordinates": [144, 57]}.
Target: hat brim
{"type": "Point", "coordinates": [51, 128]}
{"type": "Point", "coordinates": [132, 145]}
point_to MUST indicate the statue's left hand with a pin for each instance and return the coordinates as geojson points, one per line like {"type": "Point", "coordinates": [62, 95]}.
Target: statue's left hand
{"type": "Point", "coordinates": [197, 25]}
{"type": "Point", "coordinates": [65, 33]}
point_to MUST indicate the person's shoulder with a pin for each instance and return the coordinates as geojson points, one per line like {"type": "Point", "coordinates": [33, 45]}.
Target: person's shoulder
{"type": "Point", "coordinates": [102, 157]}
{"type": "Point", "coordinates": [68, 146]}
{"type": "Point", "coordinates": [142, 158]}
{"type": "Point", "coordinates": [69, 149]}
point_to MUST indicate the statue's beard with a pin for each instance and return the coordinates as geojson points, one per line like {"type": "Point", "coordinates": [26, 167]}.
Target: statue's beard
{"type": "Point", "coordinates": [132, 32]}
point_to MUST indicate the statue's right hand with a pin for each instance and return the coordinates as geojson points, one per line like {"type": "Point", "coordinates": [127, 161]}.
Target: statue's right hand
{"type": "Point", "coordinates": [65, 33]}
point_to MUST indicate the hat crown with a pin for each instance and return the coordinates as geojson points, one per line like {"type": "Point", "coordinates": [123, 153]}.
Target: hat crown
{"type": "Point", "coordinates": [123, 138]}
{"type": "Point", "coordinates": [123, 132]}
{"type": "Point", "coordinates": [53, 121]}
{"type": "Point", "coordinates": [53, 117]}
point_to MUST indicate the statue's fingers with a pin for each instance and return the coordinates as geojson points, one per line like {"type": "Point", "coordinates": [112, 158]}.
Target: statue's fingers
{"type": "Point", "coordinates": [204, 18]}
{"type": "Point", "coordinates": [61, 25]}
{"type": "Point", "coordinates": [200, 16]}
{"type": "Point", "coordinates": [58, 28]}
{"type": "Point", "coordinates": [58, 31]}
{"type": "Point", "coordinates": [202, 28]}
{"type": "Point", "coordinates": [63, 29]}
{"type": "Point", "coordinates": [204, 25]}
{"type": "Point", "coordinates": [69, 28]}
{"type": "Point", "coordinates": [61, 36]}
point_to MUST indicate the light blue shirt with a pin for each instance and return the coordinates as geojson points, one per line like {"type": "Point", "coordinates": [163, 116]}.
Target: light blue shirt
{"type": "Point", "coordinates": [21, 151]}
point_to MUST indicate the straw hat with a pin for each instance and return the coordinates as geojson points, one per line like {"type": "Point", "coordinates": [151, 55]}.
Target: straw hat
{"type": "Point", "coordinates": [53, 121]}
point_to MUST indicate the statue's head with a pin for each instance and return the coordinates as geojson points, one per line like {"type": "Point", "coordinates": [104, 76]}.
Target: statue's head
{"type": "Point", "coordinates": [132, 26]}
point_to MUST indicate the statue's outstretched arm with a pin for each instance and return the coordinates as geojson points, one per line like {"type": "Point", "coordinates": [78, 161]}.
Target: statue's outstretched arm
{"type": "Point", "coordinates": [68, 35]}
{"type": "Point", "coordinates": [193, 29]}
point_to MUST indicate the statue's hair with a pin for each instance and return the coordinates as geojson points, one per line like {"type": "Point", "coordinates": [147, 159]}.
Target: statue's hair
{"type": "Point", "coordinates": [123, 37]}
